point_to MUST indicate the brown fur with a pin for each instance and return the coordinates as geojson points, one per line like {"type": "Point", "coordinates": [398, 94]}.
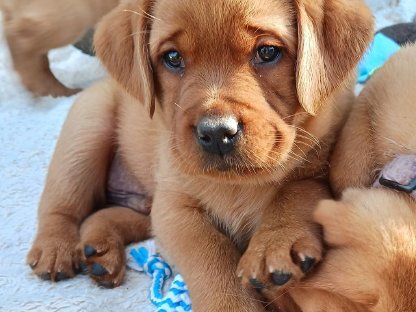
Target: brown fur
{"type": "Point", "coordinates": [33, 27]}
{"type": "Point", "coordinates": [206, 208]}
{"type": "Point", "coordinates": [371, 265]}
{"type": "Point", "coordinates": [380, 123]}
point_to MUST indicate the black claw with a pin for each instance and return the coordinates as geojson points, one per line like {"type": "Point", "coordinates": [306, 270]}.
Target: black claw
{"type": "Point", "coordinates": [46, 276]}
{"type": "Point", "coordinates": [107, 285]}
{"type": "Point", "coordinates": [33, 265]}
{"type": "Point", "coordinates": [60, 276]}
{"type": "Point", "coordinates": [280, 278]}
{"type": "Point", "coordinates": [256, 283]}
{"type": "Point", "coordinates": [307, 265]}
{"type": "Point", "coordinates": [83, 268]}
{"type": "Point", "coordinates": [98, 270]}
{"type": "Point", "coordinates": [89, 251]}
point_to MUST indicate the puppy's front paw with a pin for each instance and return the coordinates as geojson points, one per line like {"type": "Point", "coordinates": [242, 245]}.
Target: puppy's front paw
{"type": "Point", "coordinates": [105, 259]}
{"type": "Point", "coordinates": [279, 257]}
{"type": "Point", "coordinates": [54, 257]}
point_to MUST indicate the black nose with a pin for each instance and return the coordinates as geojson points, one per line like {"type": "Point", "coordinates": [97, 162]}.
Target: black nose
{"type": "Point", "coordinates": [218, 135]}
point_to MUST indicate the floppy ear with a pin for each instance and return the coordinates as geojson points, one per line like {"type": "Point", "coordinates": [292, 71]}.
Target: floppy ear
{"type": "Point", "coordinates": [333, 35]}
{"type": "Point", "coordinates": [121, 43]}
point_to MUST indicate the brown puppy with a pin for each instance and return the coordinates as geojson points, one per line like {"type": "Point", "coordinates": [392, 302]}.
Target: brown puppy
{"type": "Point", "coordinates": [380, 126]}
{"type": "Point", "coordinates": [371, 264]}
{"type": "Point", "coordinates": [246, 98]}
{"type": "Point", "coordinates": [33, 27]}
{"type": "Point", "coordinates": [372, 232]}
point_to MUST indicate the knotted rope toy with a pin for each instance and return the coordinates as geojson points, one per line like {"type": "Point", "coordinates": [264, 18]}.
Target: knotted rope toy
{"type": "Point", "coordinates": [177, 297]}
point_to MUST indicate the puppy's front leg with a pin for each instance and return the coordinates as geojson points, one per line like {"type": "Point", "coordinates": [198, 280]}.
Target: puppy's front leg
{"type": "Point", "coordinates": [75, 183]}
{"type": "Point", "coordinates": [288, 243]}
{"type": "Point", "coordinates": [206, 258]}
{"type": "Point", "coordinates": [104, 235]}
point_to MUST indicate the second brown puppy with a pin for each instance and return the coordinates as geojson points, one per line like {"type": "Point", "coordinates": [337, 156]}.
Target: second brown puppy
{"type": "Point", "coordinates": [371, 263]}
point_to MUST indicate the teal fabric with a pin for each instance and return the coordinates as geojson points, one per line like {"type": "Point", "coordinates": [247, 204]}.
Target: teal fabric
{"type": "Point", "coordinates": [380, 51]}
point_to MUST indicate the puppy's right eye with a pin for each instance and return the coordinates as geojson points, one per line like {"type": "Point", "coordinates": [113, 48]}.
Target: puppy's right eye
{"type": "Point", "coordinates": [267, 54]}
{"type": "Point", "coordinates": [173, 60]}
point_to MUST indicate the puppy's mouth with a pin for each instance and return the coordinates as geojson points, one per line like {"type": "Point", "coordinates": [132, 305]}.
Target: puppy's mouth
{"type": "Point", "coordinates": [229, 164]}
{"type": "Point", "coordinates": [241, 163]}
{"type": "Point", "coordinates": [227, 148]}
{"type": "Point", "coordinates": [233, 147]}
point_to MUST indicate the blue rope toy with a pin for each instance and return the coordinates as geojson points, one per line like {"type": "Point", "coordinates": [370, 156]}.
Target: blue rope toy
{"type": "Point", "coordinates": [177, 297]}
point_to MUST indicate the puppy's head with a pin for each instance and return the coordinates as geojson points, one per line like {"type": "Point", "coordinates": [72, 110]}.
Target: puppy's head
{"type": "Point", "coordinates": [232, 77]}
{"type": "Point", "coordinates": [372, 259]}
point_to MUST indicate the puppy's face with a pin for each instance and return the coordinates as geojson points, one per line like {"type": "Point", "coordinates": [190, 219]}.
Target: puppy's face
{"type": "Point", "coordinates": [226, 83]}
{"type": "Point", "coordinates": [233, 77]}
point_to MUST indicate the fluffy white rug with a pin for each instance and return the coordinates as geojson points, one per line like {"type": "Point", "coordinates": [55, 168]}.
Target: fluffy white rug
{"type": "Point", "coordinates": [29, 129]}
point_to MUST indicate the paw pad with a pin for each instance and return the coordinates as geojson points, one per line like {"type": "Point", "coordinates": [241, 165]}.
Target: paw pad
{"type": "Point", "coordinates": [280, 278]}
{"type": "Point", "coordinates": [60, 276]}
{"type": "Point", "coordinates": [98, 270]}
{"type": "Point", "coordinates": [256, 283]}
{"type": "Point", "coordinates": [307, 264]}
{"type": "Point", "coordinates": [89, 251]}
{"type": "Point", "coordinates": [46, 276]}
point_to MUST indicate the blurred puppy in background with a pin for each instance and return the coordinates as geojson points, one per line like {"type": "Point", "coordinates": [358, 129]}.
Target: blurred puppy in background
{"type": "Point", "coordinates": [33, 27]}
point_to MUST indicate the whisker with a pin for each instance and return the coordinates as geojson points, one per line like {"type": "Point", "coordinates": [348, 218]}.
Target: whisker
{"type": "Point", "coordinates": [295, 115]}
{"type": "Point", "coordinates": [396, 143]}
{"type": "Point", "coordinates": [176, 104]}
{"type": "Point", "coordinates": [310, 145]}
{"type": "Point", "coordinates": [143, 14]}
{"type": "Point", "coordinates": [297, 146]}
{"type": "Point", "coordinates": [308, 133]}
{"type": "Point", "coordinates": [137, 33]}
{"type": "Point", "coordinates": [298, 157]}
{"type": "Point", "coordinates": [278, 297]}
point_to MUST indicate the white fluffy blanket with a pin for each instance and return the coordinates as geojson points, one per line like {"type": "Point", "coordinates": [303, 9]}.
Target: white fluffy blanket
{"type": "Point", "coordinates": [28, 131]}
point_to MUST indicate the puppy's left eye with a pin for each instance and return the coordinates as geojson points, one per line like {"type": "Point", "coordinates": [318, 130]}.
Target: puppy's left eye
{"type": "Point", "coordinates": [267, 54]}
{"type": "Point", "coordinates": [173, 60]}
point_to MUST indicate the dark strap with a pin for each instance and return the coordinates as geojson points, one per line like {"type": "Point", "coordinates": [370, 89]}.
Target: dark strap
{"type": "Point", "coordinates": [399, 174]}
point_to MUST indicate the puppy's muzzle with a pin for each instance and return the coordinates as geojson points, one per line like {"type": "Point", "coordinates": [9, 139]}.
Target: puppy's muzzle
{"type": "Point", "coordinates": [218, 135]}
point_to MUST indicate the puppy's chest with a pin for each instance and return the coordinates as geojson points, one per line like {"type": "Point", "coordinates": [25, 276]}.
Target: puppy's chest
{"type": "Point", "coordinates": [235, 210]}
